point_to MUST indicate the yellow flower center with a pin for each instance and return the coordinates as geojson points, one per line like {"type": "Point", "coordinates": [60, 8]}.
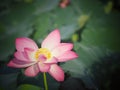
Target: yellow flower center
{"type": "Point", "coordinates": [43, 51]}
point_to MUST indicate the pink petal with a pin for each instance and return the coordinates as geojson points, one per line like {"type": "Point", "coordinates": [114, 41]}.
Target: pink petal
{"type": "Point", "coordinates": [19, 64]}
{"type": "Point", "coordinates": [69, 55]}
{"type": "Point", "coordinates": [20, 56]}
{"type": "Point", "coordinates": [61, 49]}
{"type": "Point", "coordinates": [56, 72]}
{"type": "Point", "coordinates": [43, 67]}
{"type": "Point", "coordinates": [29, 54]}
{"type": "Point", "coordinates": [52, 40]}
{"type": "Point", "coordinates": [22, 43]}
{"type": "Point", "coordinates": [51, 61]}
{"type": "Point", "coordinates": [32, 71]}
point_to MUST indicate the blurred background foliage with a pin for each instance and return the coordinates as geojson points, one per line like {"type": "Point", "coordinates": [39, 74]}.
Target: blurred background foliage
{"type": "Point", "coordinates": [92, 25]}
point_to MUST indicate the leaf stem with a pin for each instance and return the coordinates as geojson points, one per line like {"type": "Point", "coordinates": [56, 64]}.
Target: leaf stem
{"type": "Point", "coordinates": [45, 81]}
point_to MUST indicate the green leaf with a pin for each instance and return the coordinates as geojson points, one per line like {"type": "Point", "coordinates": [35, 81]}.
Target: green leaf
{"type": "Point", "coordinates": [42, 25]}
{"type": "Point", "coordinates": [83, 20]}
{"type": "Point", "coordinates": [66, 20]}
{"type": "Point", "coordinates": [86, 6]}
{"type": "Point", "coordinates": [103, 31]}
{"type": "Point", "coordinates": [70, 29]}
{"type": "Point", "coordinates": [28, 87]}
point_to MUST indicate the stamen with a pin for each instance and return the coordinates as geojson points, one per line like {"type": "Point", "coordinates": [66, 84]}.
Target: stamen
{"type": "Point", "coordinates": [43, 51]}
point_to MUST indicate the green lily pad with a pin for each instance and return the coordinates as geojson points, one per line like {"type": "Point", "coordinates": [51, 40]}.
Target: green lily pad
{"type": "Point", "coordinates": [103, 31]}
{"type": "Point", "coordinates": [28, 87]}
{"type": "Point", "coordinates": [66, 20]}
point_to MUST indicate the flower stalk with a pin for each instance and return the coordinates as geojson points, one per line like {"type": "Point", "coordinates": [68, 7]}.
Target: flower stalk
{"type": "Point", "coordinates": [45, 81]}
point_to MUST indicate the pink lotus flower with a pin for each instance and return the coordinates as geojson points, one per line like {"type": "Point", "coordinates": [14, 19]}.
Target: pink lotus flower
{"type": "Point", "coordinates": [43, 59]}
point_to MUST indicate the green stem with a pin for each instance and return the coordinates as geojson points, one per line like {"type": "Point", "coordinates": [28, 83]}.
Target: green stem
{"type": "Point", "coordinates": [45, 81]}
